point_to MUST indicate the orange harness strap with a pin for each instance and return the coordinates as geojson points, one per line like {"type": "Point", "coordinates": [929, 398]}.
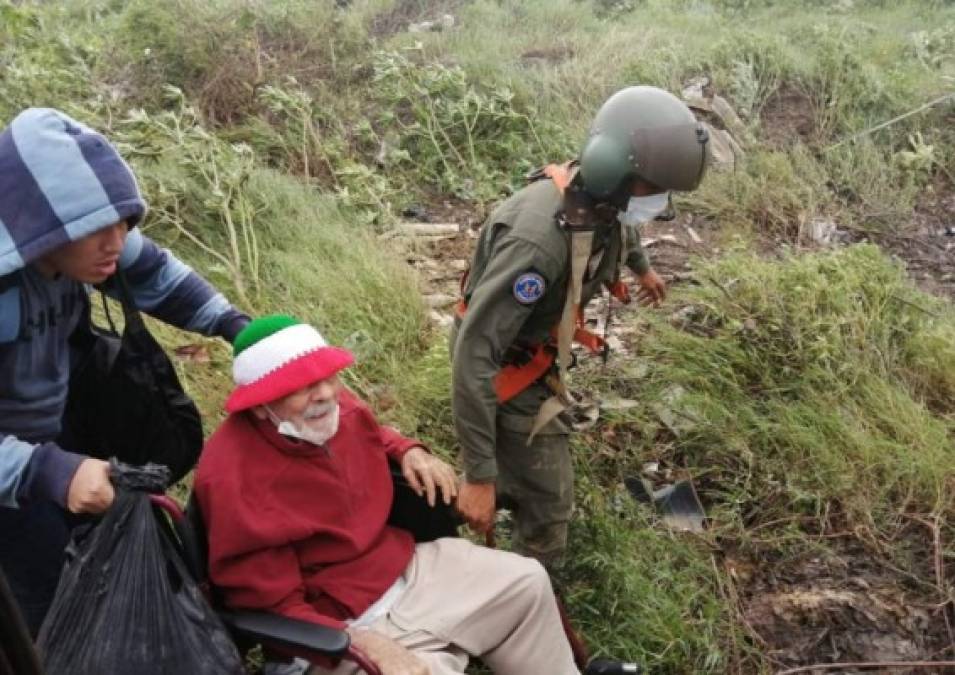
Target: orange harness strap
{"type": "Point", "coordinates": [512, 380]}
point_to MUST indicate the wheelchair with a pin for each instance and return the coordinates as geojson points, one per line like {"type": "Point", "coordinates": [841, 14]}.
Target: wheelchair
{"type": "Point", "coordinates": [291, 638]}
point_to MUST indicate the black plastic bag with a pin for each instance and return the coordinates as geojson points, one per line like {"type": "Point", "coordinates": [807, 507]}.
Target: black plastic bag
{"type": "Point", "coordinates": [125, 602]}
{"type": "Point", "coordinates": [125, 399]}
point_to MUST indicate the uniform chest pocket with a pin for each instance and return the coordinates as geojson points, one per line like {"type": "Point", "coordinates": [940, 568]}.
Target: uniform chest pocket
{"type": "Point", "coordinates": [9, 315]}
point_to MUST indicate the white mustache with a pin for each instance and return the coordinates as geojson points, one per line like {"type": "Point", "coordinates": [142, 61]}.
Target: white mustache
{"type": "Point", "coordinates": [319, 409]}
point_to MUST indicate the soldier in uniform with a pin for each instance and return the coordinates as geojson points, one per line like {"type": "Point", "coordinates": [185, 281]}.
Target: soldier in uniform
{"type": "Point", "coordinates": [541, 256]}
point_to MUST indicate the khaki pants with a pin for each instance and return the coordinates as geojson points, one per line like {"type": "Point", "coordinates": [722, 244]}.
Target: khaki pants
{"type": "Point", "coordinates": [463, 600]}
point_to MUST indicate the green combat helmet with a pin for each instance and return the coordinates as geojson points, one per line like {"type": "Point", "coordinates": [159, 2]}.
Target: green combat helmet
{"type": "Point", "coordinates": [646, 133]}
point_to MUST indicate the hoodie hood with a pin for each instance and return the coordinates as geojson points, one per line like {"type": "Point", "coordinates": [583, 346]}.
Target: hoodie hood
{"type": "Point", "coordinates": [59, 182]}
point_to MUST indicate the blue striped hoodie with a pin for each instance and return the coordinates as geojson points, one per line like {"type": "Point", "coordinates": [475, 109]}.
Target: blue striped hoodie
{"type": "Point", "coordinates": [59, 182]}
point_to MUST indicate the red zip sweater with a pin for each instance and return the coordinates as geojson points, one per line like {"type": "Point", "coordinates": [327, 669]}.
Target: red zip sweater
{"type": "Point", "coordinates": [299, 529]}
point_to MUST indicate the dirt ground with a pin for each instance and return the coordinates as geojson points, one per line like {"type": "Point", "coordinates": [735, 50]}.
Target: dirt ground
{"type": "Point", "coordinates": [839, 607]}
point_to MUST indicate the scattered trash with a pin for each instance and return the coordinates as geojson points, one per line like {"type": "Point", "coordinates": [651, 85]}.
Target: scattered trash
{"type": "Point", "coordinates": [673, 411]}
{"type": "Point", "coordinates": [429, 229]}
{"type": "Point", "coordinates": [697, 239]}
{"type": "Point", "coordinates": [442, 320]}
{"type": "Point", "coordinates": [666, 238]}
{"type": "Point", "coordinates": [444, 23]}
{"type": "Point", "coordinates": [950, 231]}
{"type": "Point", "coordinates": [438, 300]}
{"type": "Point", "coordinates": [650, 468]}
{"type": "Point", "coordinates": [824, 232]}
{"type": "Point", "coordinates": [619, 404]}
{"type": "Point", "coordinates": [677, 503]}
{"type": "Point", "coordinates": [416, 211]}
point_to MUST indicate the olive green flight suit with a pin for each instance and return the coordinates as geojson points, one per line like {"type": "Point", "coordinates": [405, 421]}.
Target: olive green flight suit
{"type": "Point", "coordinates": [523, 237]}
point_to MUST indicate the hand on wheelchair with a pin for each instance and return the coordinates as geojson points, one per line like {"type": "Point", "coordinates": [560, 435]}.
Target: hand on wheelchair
{"type": "Point", "coordinates": [390, 657]}
{"type": "Point", "coordinates": [427, 474]}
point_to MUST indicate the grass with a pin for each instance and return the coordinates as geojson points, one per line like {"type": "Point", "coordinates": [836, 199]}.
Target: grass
{"type": "Point", "coordinates": [274, 141]}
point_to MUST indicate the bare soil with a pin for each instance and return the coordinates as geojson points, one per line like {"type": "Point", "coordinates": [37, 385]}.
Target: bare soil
{"type": "Point", "coordinates": [788, 116]}
{"type": "Point", "coordinates": [926, 244]}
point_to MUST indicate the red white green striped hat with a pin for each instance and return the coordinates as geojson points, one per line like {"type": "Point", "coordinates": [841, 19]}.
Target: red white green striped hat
{"type": "Point", "coordinates": [276, 355]}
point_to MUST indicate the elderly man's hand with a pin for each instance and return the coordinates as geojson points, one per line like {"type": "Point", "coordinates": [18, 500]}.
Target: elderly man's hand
{"type": "Point", "coordinates": [90, 490]}
{"type": "Point", "coordinates": [426, 474]}
{"type": "Point", "coordinates": [390, 657]}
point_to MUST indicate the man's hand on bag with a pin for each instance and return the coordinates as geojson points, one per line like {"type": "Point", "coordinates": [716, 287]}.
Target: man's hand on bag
{"type": "Point", "coordinates": [427, 474]}
{"type": "Point", "coordinates": [90, 490]}
{"type": "Point", "coordinates": [653, 289]}
{"type": "Point", "coordinates": [390, 657]}
{"type": "Point", "coordinates": [476, 503]}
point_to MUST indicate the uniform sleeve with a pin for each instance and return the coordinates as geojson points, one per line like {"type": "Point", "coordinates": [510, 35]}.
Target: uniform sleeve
{"type": "Point", "coordinates": [491, 324]}
{"type": "Point", "coordinates": [167, 288]}
{"type": "Point", "coordinates": [637, 259]}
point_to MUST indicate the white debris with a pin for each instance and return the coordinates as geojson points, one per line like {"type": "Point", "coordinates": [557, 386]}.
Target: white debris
{"type": "Point", "coordinates": [442, 320]}
{"type": "Point", "coordinates": [437, 300]}
{"type": "Point", "coordinates": [444, 23]}
{"type": "Point", "coordinates": [823, 231]}
{"type": "Point", "coordinates": [429, 229]}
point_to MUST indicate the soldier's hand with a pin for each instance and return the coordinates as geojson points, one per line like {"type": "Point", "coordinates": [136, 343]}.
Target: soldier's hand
{"type": "Point", "coordinates": [90, 490]}
{"type": "Point", "coordinates": [427, 474]}
{"type": "Point", "coordinates": [390, 657]}
{"type": "Point", "coordinates": [653, 289]}
{"type": "Point", "coordinates": [476, 503]}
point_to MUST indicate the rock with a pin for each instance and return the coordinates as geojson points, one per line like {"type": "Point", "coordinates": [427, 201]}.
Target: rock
{"type": "Point", "coordinates": [724, 149]}
{"type": "Point", "coordinates": [695, 89]}
{"type": "Point", "coordinates": [731, 120]}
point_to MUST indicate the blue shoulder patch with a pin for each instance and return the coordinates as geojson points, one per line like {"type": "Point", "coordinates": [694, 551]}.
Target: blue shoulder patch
{"type": "Point", "coordinates": [529, 288]}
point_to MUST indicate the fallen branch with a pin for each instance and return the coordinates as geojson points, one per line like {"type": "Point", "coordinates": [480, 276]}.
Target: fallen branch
{"type": "Point", "coordinates": [870, 130]}
{"type": "Point", "coordinates": [429, 229]}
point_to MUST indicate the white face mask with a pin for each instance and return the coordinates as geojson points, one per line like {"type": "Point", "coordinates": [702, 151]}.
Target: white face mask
{"type": "Point", "coordinates": [644, 209]}
{"type": "Point", "coordinates": [318, 424]}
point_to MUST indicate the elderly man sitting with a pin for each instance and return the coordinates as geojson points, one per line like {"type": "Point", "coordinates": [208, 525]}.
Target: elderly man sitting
{"type": "Point", "coordinates": [295, 490]}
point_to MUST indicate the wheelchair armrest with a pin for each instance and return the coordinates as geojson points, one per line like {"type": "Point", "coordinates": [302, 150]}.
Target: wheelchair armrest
{"type": "Point", "coordinates": [290, 633]}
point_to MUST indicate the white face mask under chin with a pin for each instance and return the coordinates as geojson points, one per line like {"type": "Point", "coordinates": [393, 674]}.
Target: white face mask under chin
{"type": "Point", "coordinates": [644, 209]}
{"type": "Point", "coordinates": [317, 434]}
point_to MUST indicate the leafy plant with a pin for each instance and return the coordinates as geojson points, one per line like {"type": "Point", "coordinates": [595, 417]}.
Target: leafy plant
{"type": "Point", "coordinates": [459, 135]}
{"type": "Point", "coordinates": [214, 171]}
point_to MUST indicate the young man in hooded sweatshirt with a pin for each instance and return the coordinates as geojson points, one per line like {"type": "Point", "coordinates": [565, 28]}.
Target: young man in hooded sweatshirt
{"type": "Point", "coordinates": [69, 206]}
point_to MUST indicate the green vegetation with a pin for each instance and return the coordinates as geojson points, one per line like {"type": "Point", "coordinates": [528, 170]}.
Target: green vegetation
{"type": "Point", "coordinates": [277, 140]}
